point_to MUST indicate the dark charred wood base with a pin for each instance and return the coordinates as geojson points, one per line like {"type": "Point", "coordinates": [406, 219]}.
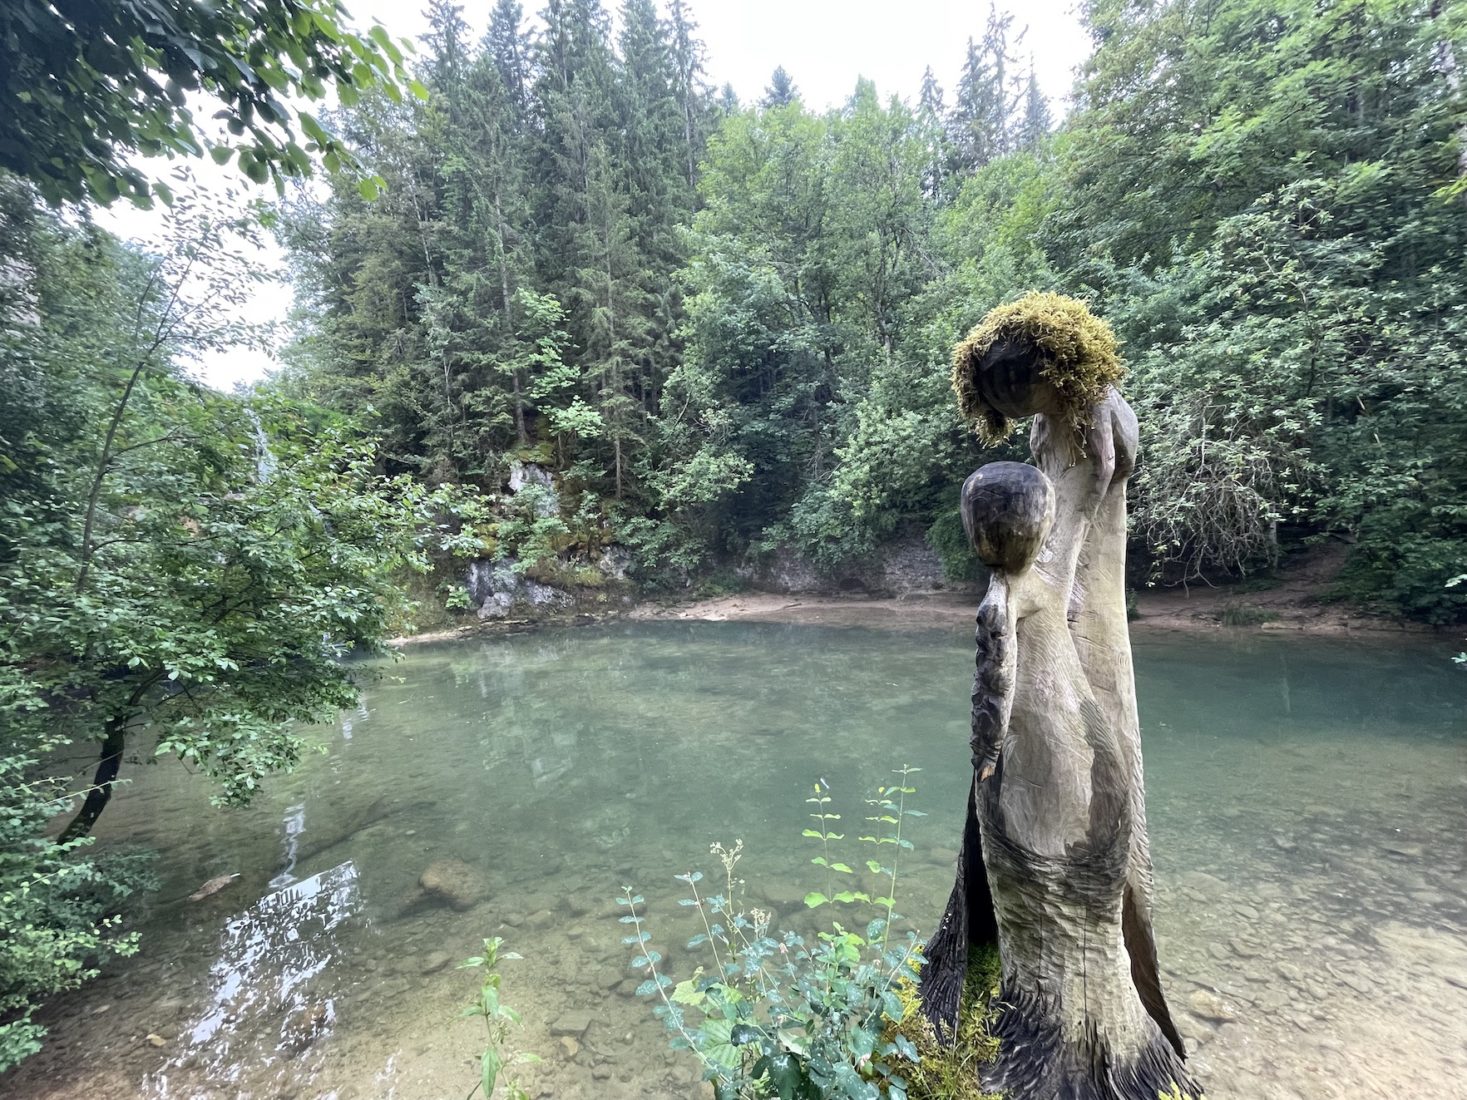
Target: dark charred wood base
{"type": "Point", "coordinates": [967, 922]}
{"type": "Point", "coordinates": [1036, 1063]}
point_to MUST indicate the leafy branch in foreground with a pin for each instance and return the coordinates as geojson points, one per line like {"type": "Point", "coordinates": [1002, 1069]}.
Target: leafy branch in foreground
{"type": "Point", "coordinates": [83, 85]}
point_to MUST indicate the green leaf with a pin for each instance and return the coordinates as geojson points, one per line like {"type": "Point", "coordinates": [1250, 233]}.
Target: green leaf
{"type": "Point", "coordinates": [815, 899]}
{"type": "Point", "coordinates": [686, 993]}
{"type": "Point", "coordinates": [785, 1072]}
{"type": "Point", "coordinates": [742, 1034]}
{"type": "Point", "coordinates": [718, 1042]}
{"type": "Point", "coordinates": [489, 1065]}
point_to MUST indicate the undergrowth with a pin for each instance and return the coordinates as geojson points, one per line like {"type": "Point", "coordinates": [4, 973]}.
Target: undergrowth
{"type": "Point", "coordinates": [773, 1014]}
{"type": "Point", "coordinates": [951, 1072]}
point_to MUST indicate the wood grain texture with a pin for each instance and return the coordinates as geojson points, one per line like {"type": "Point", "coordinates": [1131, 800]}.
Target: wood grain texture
{"type": "Point", "coordinates": [1057, 808]}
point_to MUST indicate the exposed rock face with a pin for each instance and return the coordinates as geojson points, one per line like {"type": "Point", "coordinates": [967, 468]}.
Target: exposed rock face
{"type": "Point", "coordinates": [903, 566]}
{"type": "Point", "coordinates": [497, 590]}
{"type": "Point", "coordinates": [454, 882]}
{"type": "Point", "coordinates": [614, 563]}
{"type": "Point", "coordinates": [525, 475]}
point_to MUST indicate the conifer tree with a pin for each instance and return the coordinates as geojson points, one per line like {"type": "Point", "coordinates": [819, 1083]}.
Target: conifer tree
{"type": "Point", "coordinates": [781, 90]}
{"type": "Point", "coordinates": [1034, 122]}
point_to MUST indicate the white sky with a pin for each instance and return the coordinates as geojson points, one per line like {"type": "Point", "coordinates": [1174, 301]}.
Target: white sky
{"type": "Point", "coordinates": [825, 45]}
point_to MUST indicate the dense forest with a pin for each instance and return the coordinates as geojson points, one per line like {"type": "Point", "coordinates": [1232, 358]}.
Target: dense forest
{"type": "Point", "coordinates": [723, 326]}
{"type": "Point", "coordinates": [726, 325]}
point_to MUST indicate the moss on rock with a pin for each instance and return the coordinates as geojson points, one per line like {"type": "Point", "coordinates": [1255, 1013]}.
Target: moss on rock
{"type": "Point", "coordinates": [1076, 349]}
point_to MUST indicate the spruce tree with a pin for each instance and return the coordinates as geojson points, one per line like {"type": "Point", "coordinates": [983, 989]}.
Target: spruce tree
{"type": "Point", "coordinates": [781, 90]}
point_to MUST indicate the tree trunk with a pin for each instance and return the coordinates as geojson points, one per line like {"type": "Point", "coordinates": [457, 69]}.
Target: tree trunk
{"type": "Point", "coordinates": [101, 791]}
{"type": "Point", "coordinates": [1055, 864]}
{"type": "Point", "coordinates": [521, 434]}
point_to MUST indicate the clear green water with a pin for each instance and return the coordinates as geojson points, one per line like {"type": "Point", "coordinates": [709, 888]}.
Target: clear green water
{"type": "Point", "coordinates": [1308, 804]}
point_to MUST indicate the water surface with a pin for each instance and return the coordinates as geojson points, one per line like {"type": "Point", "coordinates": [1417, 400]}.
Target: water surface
{"type": "Point", "coordinates": [1308, 806]}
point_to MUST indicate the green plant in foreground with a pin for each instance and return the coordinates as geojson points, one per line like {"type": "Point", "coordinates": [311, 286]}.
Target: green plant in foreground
{"type": "Point", "coordinates": [498, 1019]}
{"type": "Point", "coordinates": [949, 1071]}
{"type": "Point", "coordinates": [774, 1014]}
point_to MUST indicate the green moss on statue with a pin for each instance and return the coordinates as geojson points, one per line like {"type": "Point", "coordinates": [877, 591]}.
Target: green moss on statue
{"type": "Point", "coordinates": [1076, 352]}
{"type": "Point", "coordinates": [951, 1071]}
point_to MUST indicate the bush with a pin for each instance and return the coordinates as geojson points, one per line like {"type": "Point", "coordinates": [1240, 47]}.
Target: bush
{"type": "Point", "coordinates": [1247, 615]}
{"type": "Point", "coordinates": [950, 542]}
{"type": "Point", "coordinates": [772, 1014]}
{"type": "Point", "coordinates": [60, 909]}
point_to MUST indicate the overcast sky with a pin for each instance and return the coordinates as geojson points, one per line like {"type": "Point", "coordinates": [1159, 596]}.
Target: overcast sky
{"type": "Point", "coordinates": [825, 45]}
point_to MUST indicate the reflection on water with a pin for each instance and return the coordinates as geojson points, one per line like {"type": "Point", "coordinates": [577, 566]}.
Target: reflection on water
{"type": "Point", "coordinates": [263, 1007]}
{"type": "Point", "coordinates": [1307, 799]}
{"type": "Point", "coordinates": [295, 824]}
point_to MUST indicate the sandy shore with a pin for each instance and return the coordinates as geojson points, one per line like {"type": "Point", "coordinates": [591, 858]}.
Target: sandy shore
{"type": "Point", "coordinates": [1293, 603]}
{"type": "Point", "coordinates": [1197, 610]}
{"type": "Point", "coordinates": [1200, 610]}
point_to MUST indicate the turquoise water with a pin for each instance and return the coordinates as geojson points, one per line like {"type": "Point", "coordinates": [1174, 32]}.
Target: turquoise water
{"type": "Point", "coordinates": [1308, 803]}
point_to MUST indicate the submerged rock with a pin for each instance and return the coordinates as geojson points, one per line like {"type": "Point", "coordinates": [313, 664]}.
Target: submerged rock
{"type": "Point", "coordinates": [573, 1024]}
{"type": "Point", "coordinates": [213, 886]}
{"type": "Point", "coordinates": [306, 1025]}
{"type": "Point", "coordinates": [453, 882]}
{"type": "Point", "coordinates": [435, 962]}
{"type": "Point", "coordinates": [1209, 1006]}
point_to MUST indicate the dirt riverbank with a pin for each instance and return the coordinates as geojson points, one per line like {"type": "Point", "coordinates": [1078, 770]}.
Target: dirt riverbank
{"type": "Point", "coordinates": [1295, 601]}
{"type": "Point", "coordinates": [1197, 610]}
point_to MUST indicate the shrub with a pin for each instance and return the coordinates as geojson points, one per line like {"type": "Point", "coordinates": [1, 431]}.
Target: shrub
{"type": "Point", "coordinates": [950, 542]}
{"type": "Point", "coordinates": [1247, 615]}
{"type": "Point", "coordinates": [773, 1014]}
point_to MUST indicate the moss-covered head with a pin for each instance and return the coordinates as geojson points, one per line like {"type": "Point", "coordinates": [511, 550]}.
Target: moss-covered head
{"type": "Point", "coordinates": [1044, 353]}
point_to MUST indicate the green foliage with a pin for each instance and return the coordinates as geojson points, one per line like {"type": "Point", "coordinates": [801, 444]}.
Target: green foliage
{"type": "Point", "coordinates": [720, 582]}
{"type": "Point", "coordinates": [498, 1019]}
{"type": "Point", "coordinates": [950, 1071]}
{"type": "Point", "coordinates": [730, 324]}
{"type": "Point", "coordinates": [85, 85]}
{"type": "Point", "coordinates": [1283, 257]}
{"type": "Point", "coordinates": [180, 571]}
{"type": "Point", "coordinates": [947, 537]}
{"type": "Point", "coordinates": [773, 1014]}
{"type": "Point", "coordinates": [61, 911]}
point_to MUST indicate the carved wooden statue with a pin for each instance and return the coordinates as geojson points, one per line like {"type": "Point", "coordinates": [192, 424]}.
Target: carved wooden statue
{"type": "Point", "coordinates": [1055, 863]}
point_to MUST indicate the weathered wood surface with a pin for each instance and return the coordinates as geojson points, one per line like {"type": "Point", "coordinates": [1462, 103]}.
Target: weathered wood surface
{"type": "Point", "coordinates": [1055, 862]}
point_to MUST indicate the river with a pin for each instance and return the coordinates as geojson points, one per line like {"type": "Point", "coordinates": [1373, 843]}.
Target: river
{"type": "Point", "coordinates": [1307, 799]}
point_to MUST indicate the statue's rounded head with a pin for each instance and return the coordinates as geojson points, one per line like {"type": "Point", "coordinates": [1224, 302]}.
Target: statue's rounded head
{"type": "Point", "coordinates": [1043, 353]}
{"type": "Point", "coordinates": [1007, 508]}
